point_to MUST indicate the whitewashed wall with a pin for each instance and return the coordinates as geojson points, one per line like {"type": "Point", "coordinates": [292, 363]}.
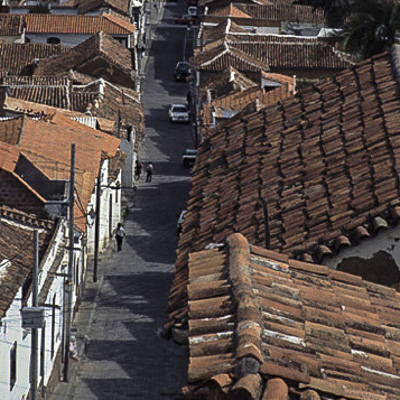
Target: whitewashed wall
{"type": "Point", "coordinates": [11, 326]}
{"type": "Point", "coordinates": [388, 240]}
{"type": "Point", "coordinates": [106, 224]}
{"type": "Point", "coordinates": [10, 333]}
{"type": "Point", "coordinates": [72, 39]}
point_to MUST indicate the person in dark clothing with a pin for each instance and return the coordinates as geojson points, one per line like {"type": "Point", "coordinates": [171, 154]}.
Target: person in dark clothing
{"type": "Point", "coordinates": [149, 171]}
{"type": "Point", "coordinates": [119, 235]}
{"type": "Point", "coordinates": [138, 170]}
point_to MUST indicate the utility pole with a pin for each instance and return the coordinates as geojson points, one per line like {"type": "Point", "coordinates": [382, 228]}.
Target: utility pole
{"type": "Point", "coordinates": [69, 284]}
{"type": "Point", "coordinates": [34, 338]}
{"type": "Point", "coordinates": [97, 227]}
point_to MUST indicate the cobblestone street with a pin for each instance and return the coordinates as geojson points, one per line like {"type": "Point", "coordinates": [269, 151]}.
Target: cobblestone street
{"type": "Point", "coordinates": [119, 321]}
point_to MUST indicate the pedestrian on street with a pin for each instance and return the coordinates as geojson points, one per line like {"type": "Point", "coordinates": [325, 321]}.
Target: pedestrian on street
{"type": "Point", "coordinates": [119, 233]}
{"type": "Point", "coordinates": [149, 171]}
{"type": "Point", "coordinates": [138, 170]}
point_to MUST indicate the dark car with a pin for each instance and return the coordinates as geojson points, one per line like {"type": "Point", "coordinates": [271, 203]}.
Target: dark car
{"type": "Point", "coordinates": [189, 158]}
{"type": "Point", "coordinates": [182, 71]}
{"type": "Point", "coordinates": [185, 20]}
{"type": "Point", "coordinates": [181, 220]}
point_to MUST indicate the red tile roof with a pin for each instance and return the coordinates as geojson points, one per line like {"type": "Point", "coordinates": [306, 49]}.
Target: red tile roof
{"type": "Point", "coordinates": [326, 162]}
{"type": "Point", "coordinates": [291, 52]}
{"type": "Point", "coordinates": [14, 105]}
{"type": "Point", "coordinates": [238, 101]}
{"type": "Point", "coordinates": [99, 98]}
{"type": "Point", "coordinates": [223, 56]}
{"type": "Point", "coordinates": [263, 325]}
{"type": "Point", "coordinates": [9, 156]}
{"type": "Point", "coordinates": [284, 13]}
{"type": "Point", "coordinates": [18, 59]}
{"type": "Point", "coordinates": [269, 51]}
{"type": "Point", "coordinates": [100, 56]}
{"type": "Point", "coordinates": [47, 143]}
{"type": "Point", "coordinates": [85, 6]}
{"type": "Point", "coordinates": [83, 24]}
{"type": "Point", "coordinates": [224, 83]}
{"type": "Point", "coordinates": [12, 25]}
{"type": "Point", "coordinates": [16, 244]}
{"type": "Point", "coordinates": [98, 50]}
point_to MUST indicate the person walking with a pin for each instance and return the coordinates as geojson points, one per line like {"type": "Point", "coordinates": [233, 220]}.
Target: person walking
{"type": "Point", "coordinates": [138, 170]}
{"type": "Point", "coordinates": [119, 235]}
{"type": "Point", "coordinates": [149, 171]}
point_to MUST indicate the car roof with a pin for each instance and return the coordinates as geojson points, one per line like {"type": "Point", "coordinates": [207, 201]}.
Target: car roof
{"type": "Point", "coordinates": [178, 105]}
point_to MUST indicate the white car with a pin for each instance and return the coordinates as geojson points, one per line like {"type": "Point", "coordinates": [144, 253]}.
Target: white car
{"type": "Point", "coordinates": [179, 113]}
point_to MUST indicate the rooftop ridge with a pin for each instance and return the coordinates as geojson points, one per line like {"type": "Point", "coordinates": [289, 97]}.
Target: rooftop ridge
{"type": "Point", "coordinates": [395, 56]}
{"type": "Point", "coordinates": [248, 324]}
{"type": "Point", "coordinates": [30, 219]}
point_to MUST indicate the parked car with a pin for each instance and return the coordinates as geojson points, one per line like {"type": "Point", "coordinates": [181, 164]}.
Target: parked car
{"type": "Point", "coordinates": [185, 20]}
{"type": "Point", "coordinates": [189, 157]}
{"type": "Point", "coordinates": [192, 11]}
{"type": "Point", "coordinates": [182, 71]}
{"type": "Point", "coordinates": [179, 113]}
{"type": "Point", "coordinates": [181, 219]}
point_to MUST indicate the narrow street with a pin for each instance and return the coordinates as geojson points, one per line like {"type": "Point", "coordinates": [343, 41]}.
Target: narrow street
{"type": "Point", "coordinates": [122, 354]}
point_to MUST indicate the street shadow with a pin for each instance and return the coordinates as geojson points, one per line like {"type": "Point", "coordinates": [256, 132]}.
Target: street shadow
{"type": "Point", "coordinates": [136, 336]}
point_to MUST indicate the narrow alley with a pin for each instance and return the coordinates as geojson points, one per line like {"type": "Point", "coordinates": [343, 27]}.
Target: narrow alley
{"type": "Point", "coordinates": [118, 325]}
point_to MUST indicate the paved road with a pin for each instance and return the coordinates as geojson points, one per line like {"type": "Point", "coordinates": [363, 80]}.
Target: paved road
{"type": "Point", "coordinates": [121, 316]}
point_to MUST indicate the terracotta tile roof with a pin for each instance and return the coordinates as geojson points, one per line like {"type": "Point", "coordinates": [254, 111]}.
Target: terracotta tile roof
{"type": "Point", "coordinates": [88, 55]}
{"type": "Point", "coordinates": [99, 98]}
{"type": "Point", "coordinates": [325, 161]}
{"type": "Point", "coordinates": [9, 157]}
{"type": "Point", "coordinates": [250, 24]}
{"type": "Point", "coordinates": [222, 3]}
{"type": "Point", "coordinates": [12, 25]}
{"type": "Point", "coordinates": [212, 33]}
{"type": "Point", "coordinates": [278, 51]}
{"type": "Point", "coordinates": [279, 78]}
{"type": "Point", "coordinates": [269, 51]}
{"type": "Point", "coordinates": [264, 325]}
{"type": "Point", "coordinates": [225, 82]}
{"type": "Point", "coordinates": [16, 244]}
{"type": "Point", "coordinates": [86, 6]}
{"type": "Point", "coordinates": [236, 102]}
{"type": "Point", "coordinates": [284, 13]}
{"type": "Point", "coordinates": [14, 105]}
{"type": "Point", "coordinates": [220, 57]}
{"type": "Point", "coordinates": [47, 143]}
{"type": "Point", "coordinates": [83, 24]}
{"type": "Point", "coordinates": [17, 59]}
{"type": "Point", "coordinates": [230, 10]}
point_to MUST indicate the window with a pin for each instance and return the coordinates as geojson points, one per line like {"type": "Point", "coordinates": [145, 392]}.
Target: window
{"type": "Point", "coordinates": [53, 40]}
{"type": "Point", "coordinates": [13, 365]}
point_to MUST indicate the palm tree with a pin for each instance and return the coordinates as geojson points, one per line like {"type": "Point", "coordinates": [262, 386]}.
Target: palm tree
{"type": "Point", "coordinates": [371, 27]}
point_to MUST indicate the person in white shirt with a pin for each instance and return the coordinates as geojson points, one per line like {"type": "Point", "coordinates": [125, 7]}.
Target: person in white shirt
{"type": "Point", "coordinates": [119, 233]}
